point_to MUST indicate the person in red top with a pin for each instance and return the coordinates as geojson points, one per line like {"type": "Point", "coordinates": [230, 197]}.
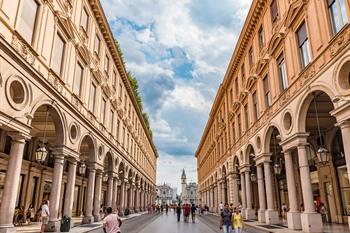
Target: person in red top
{"type": "Point", "coordinates": [187, 210]}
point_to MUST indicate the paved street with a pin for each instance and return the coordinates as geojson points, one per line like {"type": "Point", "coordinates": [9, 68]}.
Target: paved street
{"type": "Point", "coordinates": [167, 223]}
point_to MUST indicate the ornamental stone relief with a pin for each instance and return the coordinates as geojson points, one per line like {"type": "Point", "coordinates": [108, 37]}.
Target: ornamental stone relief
{"type": "Point", "coordinates": [22, 48]}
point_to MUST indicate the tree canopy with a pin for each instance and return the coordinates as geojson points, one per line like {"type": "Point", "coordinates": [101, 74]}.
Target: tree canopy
{"type": "Point", "coordinates": [135, 88]}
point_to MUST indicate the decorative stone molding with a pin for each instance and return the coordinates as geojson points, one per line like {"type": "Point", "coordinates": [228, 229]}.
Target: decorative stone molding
{"type": "Point", "coordinates": [23, 49]}
{"type": "Point", "coordinates": [340, 42]}
{"type": "Point", "coordinates": [84, 52]}
{"type": "Point", "coordinates": [296, 7]}
{"type": "Point", "coordinates": [55, 81]}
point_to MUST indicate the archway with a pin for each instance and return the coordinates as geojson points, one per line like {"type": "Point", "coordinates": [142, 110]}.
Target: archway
{"type": "Point", "coordinates": [277, 169]}
{"type": "Point", "coordinates": [326, 159]}
{"type": "Point", "coordinates": [107, 181]}
{"type": "Point", "coordinates": [86, 156]}
{"type": "Point", "coordinates": [47, 133]}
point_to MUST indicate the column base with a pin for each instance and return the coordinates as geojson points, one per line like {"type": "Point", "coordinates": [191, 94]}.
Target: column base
{"type": "Point", "coordinates": [53, 226]}
{"type": "Point", "coordinates": [271, 217]}
{"type": "Point", "coordinates": [311, 222]}
{"type": "Point", "coordinates": [88, 219]}
{"type": "Point", "coordinates": [261, 215]}
{"type": "Point", "coordinates": [97, 218]}
{"type": "Point", "coordinates": [293, 220]}
{"type": "Point", "coordinates": [250, 214]}
{"type": "Point", "coordinates": [8, 229]}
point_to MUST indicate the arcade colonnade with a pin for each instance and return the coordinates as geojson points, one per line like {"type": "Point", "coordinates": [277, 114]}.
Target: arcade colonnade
{"type": "Point", "coordinates": [71, 129]}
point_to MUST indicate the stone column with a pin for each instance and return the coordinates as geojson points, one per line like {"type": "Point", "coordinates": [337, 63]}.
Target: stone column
{"type": "Point", "coordinates": [271, 214]}
{"type": "Point", "coordinates": [131, 199]}
{"type": "Point", "coordinates": [215, 198]}
{"type": "Point", "coordinates": [53, 225]}
{"type": "Point", "coordinates": [68, 202]}
{"type": "Point", "coordinates": [8, 201]}
{"type": "Point", "coordinates": [122, 193]}
{"type": "Point", "coordinates": [311, 221]}
{"type": "Point", "coordinates": [97, 196]}
{"type": "Point", "coordinates": [110, 190]}
{"type": "Point", "coordinates": [219, 195]}
{"type": "Point", "coordinates": [114, 194]}
{"type": "Point", "coordinates": [235, 190]}
{"type": "Point", "coordinates": [261, 188]}
{"type": "Point", "coordinates": [250, 213]}
{"type": "Point", "coordinates": [293, 215]}
{"type": "Point", "coordinates": [243, 194]}
{"type": "Point", "coordinates": [88, 217]}
{"type": "Point", "coordinates": [142, 201]}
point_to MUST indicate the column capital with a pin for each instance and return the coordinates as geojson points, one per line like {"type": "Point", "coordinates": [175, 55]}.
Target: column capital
{"type": "Point", "coordinates": [244, 168]}
{"type": "Point", "coordinates": [66, 151]}
{"type": "Point", "coordinates": [294, 140]}
{"type": "Point", "coordinates": [343, 124]}
{"type": "Point", "coordinates": [99, 173]}
{"type": "Point", "coordinates": [18, 136]}
{"type": "Point", "coordinates": [262, 158]}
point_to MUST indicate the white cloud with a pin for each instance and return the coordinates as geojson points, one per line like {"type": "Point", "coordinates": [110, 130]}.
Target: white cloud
{"type": "Point", "coordinates": [178, 51]}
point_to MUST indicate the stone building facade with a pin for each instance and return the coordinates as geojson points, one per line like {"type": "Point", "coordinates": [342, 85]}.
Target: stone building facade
{"type": "Point", "coordinates": [164, 194]}
{"type": "Point", "coordinates": [64, 90]}
{"type": "Point", "coordinates": [189, 191]}
{"type": "Point", "coordinates": [279, 129]}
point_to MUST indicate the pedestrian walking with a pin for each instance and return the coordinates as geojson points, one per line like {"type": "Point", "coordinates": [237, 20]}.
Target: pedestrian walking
{"type": "Point", "coordinates": [193, 213]}
{"type": "Point", "coordinates": [30, 214]}
{"type": "Point", "coordinates": [237, 221]}
{"type": "Point", "coordinates": [178, 212]}
{"type": "Point", "coordinates": [226, 219]}
{"type": "Point", "coordinates": [187, 210]}
{"type": "Point", "coordinates": [112, 222]}
{"type": "Point", "coordinates": [166, 209]}
{"type": "Point", "coordinates": [221, 207]}
{"type": "Point", "coordinates": [45, 213]}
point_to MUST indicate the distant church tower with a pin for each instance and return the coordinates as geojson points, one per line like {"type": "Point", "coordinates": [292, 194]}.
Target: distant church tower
{"type": "Point", "coordinates": [183, 183]}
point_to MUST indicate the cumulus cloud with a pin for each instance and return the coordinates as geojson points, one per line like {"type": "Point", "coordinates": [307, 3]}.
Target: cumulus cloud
{"type": "Point", "coordinates": [178, 51]}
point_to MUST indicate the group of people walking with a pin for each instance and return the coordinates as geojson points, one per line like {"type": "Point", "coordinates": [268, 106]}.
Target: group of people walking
{"type": "Point", "coordinates": [231, 219]}
{"type": "Point", "coordinates": [187, 210]}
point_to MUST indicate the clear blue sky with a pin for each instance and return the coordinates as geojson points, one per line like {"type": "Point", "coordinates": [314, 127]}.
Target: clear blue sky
{"type": "Point", "coordinates": [178, 51]}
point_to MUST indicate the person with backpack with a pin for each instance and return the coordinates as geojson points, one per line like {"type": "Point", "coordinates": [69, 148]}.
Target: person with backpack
{"type": "Point", "coordinates": [178, 212]}
{"type": "Point", "coordinates": [193, 213]}
{"type": "Point", "coordinates": [226, 221]}
{"type": "Point", "coordinates": [112, 222]}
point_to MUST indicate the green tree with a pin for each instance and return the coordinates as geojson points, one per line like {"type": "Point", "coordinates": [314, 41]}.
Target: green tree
{"type": "Point", "coordinates": [135, 87]}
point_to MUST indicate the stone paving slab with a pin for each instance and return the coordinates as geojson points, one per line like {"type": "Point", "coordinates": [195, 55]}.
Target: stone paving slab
{"type": "Point", "coordinates": [168, 224]}
{"type": "Point", "coordinates": [35, 227]}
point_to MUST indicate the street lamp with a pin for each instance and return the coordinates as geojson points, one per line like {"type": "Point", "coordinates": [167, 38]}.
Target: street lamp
{"type": "Point", "coordinates": [278, 169]}
{"type": "Point", "coordinates": [322, 152]}
{"type": "Point", "coordinates": [82, 168]}
{"type": "Point", "coordinates": [41, 152]}
{"type": "Point", "coordinates": [105, 177]}
{"type": "Point", "coordinates": [253, 177]}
